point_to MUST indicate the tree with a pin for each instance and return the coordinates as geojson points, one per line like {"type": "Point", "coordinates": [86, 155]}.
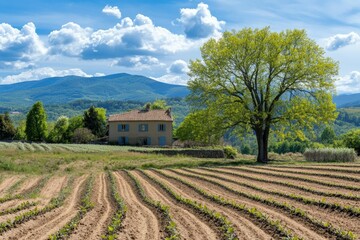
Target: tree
{"type": "Point", "coordinates": [264, 81]}
{"type": "Point", "coordinates": [95, 120]}
{"type": "Point", "coordinates": [157, 104]}
{"type": "Point", "coordinates": [58, 133]}
{"type": "Point", "coordinates": [36, 123]}
{"type": "Point", "coordinates": [328, 135]}
{"type": "Point", "coordinates": [74, 123]}
{"type": "Point", "coordinates": [352, 140]}
{"type": "Point", "coordinates": [83, 135]}
{"type": "Point", "coordinates": [7, 129]}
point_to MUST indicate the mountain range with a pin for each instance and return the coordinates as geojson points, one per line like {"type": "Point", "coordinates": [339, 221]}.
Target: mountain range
{"type": "Point", "coordinates": [119, 87]}
{"type": "Point", "coordinates": [57, 90]}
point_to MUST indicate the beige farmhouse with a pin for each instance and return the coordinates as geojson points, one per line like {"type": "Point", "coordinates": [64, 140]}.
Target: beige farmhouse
{"type": "Point", "coordinates": [141, 127]}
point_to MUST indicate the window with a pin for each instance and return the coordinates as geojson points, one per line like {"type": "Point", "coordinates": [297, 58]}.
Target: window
{"type": "Point", "coordinates": [143, 127]}
{"type": "Point", "coordinates": [123, 127]}
{"type": "Point", "coordinates": [161, 127]}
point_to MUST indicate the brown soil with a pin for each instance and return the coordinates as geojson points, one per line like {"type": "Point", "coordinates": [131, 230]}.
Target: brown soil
{"type": "Point", "coordinates": [188, 224]}
{"type": "Point", "coordinates": [244, 228]}
{"type": "Point", "coordinates": [284, 189]}
{"type": "Point", "coordinates": [312, 172]}
{"type": "Point", "coordinates": [296, 227]}
{"type": "Point", "coordinates": [28, 185]}
{"type": "Point", "coordinates": [52, 187]}
{"type": "Point", "coordinates": [6, 183]}
{"type": "Point", "coordinates": [335, 218]}
{"type": "Point", "coordinates": [51, 222]}
{"type": "Point", "coordinates": [292, 181]}
{"type": "Point", "coordinates": [140, 222]}
{"type": "Point", "coordinates": [94, 224]}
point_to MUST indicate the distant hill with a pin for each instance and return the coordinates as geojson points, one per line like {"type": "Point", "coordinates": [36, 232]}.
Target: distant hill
{"type": "Point", "coordinates": [120, 87]}
{"type": "Point", "coordinates": [350, 100]}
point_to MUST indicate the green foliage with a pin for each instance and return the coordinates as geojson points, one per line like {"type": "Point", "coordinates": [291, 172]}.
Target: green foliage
{"type": "Point", "coordinates": [290, 146]}
{"type": "Point", "coordinates": [36, 125]}
{"type": "Point", "coordinates": [82, 135]}
{"type": "Point", "coordinates": [74, 123]}
{"type": "Point", "coordinates": [20, 131]}
{"type": "Point", "coordinates": [245, 149]}
{"type": "Point", "coordinates": [328, 135]}
{"type": "Point", "coordinates": [230, 152]}
{"type": "Point", "coordinates": [330, 155]}
{"type": "Point", "coordinates": [58, 133]}
{"type": "Point", "coordinates": [265, 81]}
{"type": "Point", "coordinates": [7, 129]}
{"type": "Point", "coordinates": [157, 104]}
{"type": "Point", "coordinates": [352, 140]}
{"type": "Point", "coordinates": [95, 120]}
{"type": "Point", "coordinates": [201, 126]}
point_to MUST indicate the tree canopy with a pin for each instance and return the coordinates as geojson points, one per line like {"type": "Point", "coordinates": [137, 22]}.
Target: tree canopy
{"type": "Point", "coordinates": [7, 129]}
{"type": "Point", "coordinates": [36, 126]}
{"type": "Point", "coordinates": [263, 81]}
{"type": "Point", "coordinates": [95, 120]}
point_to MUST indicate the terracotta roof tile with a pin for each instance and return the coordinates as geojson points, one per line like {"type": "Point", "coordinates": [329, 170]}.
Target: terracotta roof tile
{"type": "Point", "coordinates": [142, 115]}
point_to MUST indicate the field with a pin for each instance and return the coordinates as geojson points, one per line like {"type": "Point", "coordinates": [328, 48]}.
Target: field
{"type": "Point", "coordinates": [309, 202]}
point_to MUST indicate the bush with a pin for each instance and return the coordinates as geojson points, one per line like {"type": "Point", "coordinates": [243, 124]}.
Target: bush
{"type": "Point", "coordinates": [246, 149]}
{"type": "Point", "coordinates": [83, 135]}
{"type": "Point", "coordinates": [352, 140]}
{"type": "Point", "coordinates": [230, 152]}
{"type": "Point", "coordinates": [330, 155]}
{"type": "Point", "coordinates": [289, 146]}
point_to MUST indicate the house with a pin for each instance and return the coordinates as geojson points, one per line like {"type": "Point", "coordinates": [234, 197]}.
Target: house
{"type": "Point", "coordinates": [141, 127]}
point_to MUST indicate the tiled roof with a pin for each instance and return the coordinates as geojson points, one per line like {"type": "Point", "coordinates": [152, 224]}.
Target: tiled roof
{"type": "Point", "coordinates": [142, 115]}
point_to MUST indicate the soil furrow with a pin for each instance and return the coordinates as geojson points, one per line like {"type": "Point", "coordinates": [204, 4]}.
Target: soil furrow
{"type": "Point", "coordinates": [338, 170]}
{"type": "Point", "coordinates": [7, 183]}
{"type": "Point", "coordinates": [94, 224]}
{"type": "Point", "coordinates": [283, 189]}
{"type": "Point", "coordinates": [49, 223]}
{"type": "Point", "coordinates": [53, 187]}
{"type": "Point", "coordinates": [244, 227]}
{"type": "Point", "coordinates": [299, 182]}
{"type": "Point", "coordinates": [140, 222]}
{"type": "Point", "coordinates": [297, 227]}
{"type": "Point", "coordinates": [340, 220]}
{"type": "Point", "coordinates": [189, 225]}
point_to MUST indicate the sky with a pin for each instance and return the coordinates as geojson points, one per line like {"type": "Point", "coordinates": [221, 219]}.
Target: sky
{"type": "Point", "coordinates": [157, 39]}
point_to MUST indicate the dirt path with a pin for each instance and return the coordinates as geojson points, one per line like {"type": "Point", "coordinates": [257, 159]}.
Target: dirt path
{"type": "Point", "coordinates": [292, 181]}
{"type": "Point", "coordinates": [188, 224]}
{"type": "Point", "coordinates": [49, 223]}
{"type": "Point", "coordinates": [94, 224]}
{"type": "Point", "coordinates": [7, 183]}
{"type": "Point", "coordinates": [244, 228]}
{"type": "Point", "coordinates": [297, 227]}
{"type": "Point", "coordinates": [140, 222]}
{"type": "Point", "coordinates": [339, 220]}
{"type": "Point", "coordinates": [282, 189]}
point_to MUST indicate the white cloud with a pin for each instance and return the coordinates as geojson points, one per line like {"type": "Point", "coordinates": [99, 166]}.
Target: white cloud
{"type": "Point", "coordinates": [134, 37]}
{"type": "Point", "coordinates": [112, 11]}
{"type": "Point", "coordinates": [342, 40]}
{"type": "Point", "coordinates": [41, 73]}
{"type": "Point", "coordinates": [138, 62]}
{"type": "Point", "coordinates": [69, 40]}
{"type": "Point", "coordinates": [173, 79]}
{"type": "Point", "coordinates": [199, 23]}
{"type": "Point", "coordinates": [349, 83]}
{"type": "Point", "coordinates": [178, 67]}
{"type": "Point", "coordinates": [20, 48]}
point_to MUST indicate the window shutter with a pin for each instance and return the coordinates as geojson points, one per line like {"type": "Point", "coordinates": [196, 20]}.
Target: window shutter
{"type": "Point", "coordinates": [149, 141]}
{"type": "Point", "coordinates": [146, 127]}
{"type": "Point", "coordinates": [127, 127]}
{"type": "Point", "coordinates": [127, 139]}
{"type": "Point", "coordinates": [164, 127]}
{"type": "Point", "coordinates": [119, 127]}
{"type": "Point", "coordinates": [120, 141]}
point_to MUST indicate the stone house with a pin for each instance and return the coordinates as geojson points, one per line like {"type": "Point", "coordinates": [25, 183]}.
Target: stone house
{"type": "Point", "coordinates": [141, 127]}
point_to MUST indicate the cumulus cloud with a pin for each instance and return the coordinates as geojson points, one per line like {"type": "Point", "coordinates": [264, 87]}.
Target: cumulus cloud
{"type": "Point", "coordinates": [172, 79]}
{"type": "Point", "coordinates": [138, 62]}
{"type": "Point", "coordinates": [178, 67]}
{"type": "Point", "coordinates": [342, 40]}
{"type": "Point", "coordinates": [41, 73]}
{"type": "Point", "coordinates": [69, 40]}
{"type": "Point", "coordinates": [349, 83]}
{"type": "Point", "coordinates": [20, 48]}
{"type": "Point", "coordinates": [112, 11]}
{"type": "Point", "coordinates": [134, 37]}
{"type": "Point", "coordinates": [199, 23]}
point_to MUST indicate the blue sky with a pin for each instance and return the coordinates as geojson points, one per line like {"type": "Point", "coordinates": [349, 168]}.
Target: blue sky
{"type": "Point", "coordinates": [157, 39]}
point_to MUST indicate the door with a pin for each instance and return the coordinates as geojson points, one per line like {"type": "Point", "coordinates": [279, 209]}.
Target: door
{"type": "Point", "coordinates": [162, 141]}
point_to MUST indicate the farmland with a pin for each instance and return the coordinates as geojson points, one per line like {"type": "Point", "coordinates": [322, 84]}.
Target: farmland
{"type": "Point", "coordinates": [80, 201]}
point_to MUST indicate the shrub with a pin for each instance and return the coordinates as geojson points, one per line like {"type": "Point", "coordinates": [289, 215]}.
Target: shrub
{"type": "Point", "coordinates": [352, 140]}
{"type": "Point", "coordinates": [245, 149]}
{"type": "Point", "coordinates": [230, 152]}
{"type": "Point", "coordinates": [330, 155]}
{"type": "Point", "coordinates": [83, 135]}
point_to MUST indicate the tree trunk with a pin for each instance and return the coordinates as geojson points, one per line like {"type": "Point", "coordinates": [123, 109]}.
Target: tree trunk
{"type": "Point", "coordinates": [262, 137]}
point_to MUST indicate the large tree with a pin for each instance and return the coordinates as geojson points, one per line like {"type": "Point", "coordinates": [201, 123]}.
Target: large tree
{"type": "Point", "coordinates": [95, 120]}
{"type": "Point", "coordinates": [36, 124]}
{"type": "Point", "coordinates": [264, 81]}
{"type": "Point", "coordinates": [7, 129]}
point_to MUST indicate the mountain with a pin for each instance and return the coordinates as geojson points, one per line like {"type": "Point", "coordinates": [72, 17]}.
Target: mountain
{"type": "Point", "coordinates": [66, 89]}
{"type": "Point", "coordinates": [350, 100]}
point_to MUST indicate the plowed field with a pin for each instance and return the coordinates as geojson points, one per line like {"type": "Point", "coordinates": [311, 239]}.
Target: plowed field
{"type": "Point", "coordinates": [271, 202]}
